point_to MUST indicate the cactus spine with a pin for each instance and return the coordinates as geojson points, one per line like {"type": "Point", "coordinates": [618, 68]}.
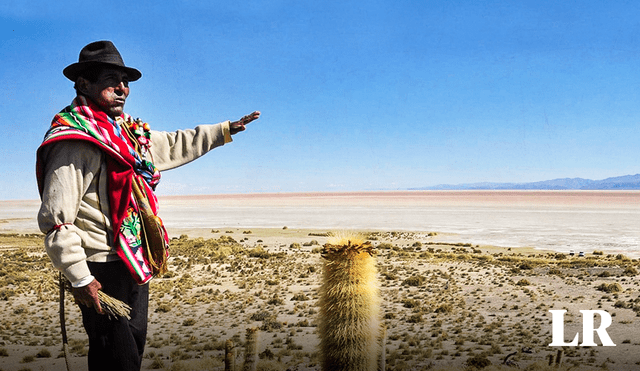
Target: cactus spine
{"type": "Point", "coordinates": [349, 312]}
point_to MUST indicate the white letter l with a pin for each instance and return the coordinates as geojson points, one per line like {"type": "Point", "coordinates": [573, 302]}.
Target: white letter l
{"type": "Point", "coordinates": [557, 329]}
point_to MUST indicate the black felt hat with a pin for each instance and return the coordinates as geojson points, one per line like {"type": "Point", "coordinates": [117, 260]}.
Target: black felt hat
{"type": "Point", "coordinates": [99, 53]}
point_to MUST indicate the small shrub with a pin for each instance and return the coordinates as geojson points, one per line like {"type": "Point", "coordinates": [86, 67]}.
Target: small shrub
{"type": "Point", "coordinates": [299, 297]}
{"type": "Point", "coordinates": [620, 304]}
{"type": "Point", "coordinates": [478, 361]}
{"type": "Point", "coordinates": [410, 303]}
{"type": "Point", "coordinates": [389, 276]}
{"type": "Point", "coordinates": [414, 281]}
{"type": "Point", "coordinates": [5, 294]}
{"type": "Point", "coordinates": [609, 288]}
{"type": "Point", "coordinates": [444, 308]}
{"type": "Point", "coordinates": [259, 252]}
{"type": "Point", "coordinates": [526, 265]}
{"type": "Point", "coordinates": [156, 364]}
{"type": "Point", "coordinates": [163, 308]}
{"type": "Point", "coordinates": [275, 300]}
{"type": "Point", "coordinates": [179, 354]}
{"type": "Point", "coordinates": [271, 324]}
{"type": "Point", "coordinates": [268, 354]}
{"type": "Point", "coordinates": [78, 347]}
{"type": "Point", "coordinates": [495, 349]}
{"type": "Point", "coordinates": [261, 316]}
{"type": "Point", "coordinates": [43, 353]}
{"type": "Point", "coordinates": [169, 274]}
{"type": "Point", "coordinates": [189, 322]}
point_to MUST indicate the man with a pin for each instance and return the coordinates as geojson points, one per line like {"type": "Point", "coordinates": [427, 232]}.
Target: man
{"type": "Point", "coordinates": [96, 169]}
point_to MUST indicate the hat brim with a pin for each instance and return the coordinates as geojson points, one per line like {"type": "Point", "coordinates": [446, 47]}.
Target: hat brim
{"type": "Point", "coordinates": [72, 71]}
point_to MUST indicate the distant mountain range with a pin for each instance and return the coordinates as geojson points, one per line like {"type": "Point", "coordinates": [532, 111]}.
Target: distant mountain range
{"type": "Point", "coordinates": [626, 182]}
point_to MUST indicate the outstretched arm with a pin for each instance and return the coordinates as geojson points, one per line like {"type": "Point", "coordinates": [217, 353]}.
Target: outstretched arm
{"type": "Point", "coordinates": [170, 150]}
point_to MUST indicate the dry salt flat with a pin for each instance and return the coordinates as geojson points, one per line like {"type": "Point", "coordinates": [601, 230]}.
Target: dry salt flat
{"type": "Point", "coordinates": [555, 220]}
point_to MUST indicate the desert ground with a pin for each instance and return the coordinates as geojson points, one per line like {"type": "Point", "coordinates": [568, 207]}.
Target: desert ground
{"type": "Point", "coordinates": [445, 305]}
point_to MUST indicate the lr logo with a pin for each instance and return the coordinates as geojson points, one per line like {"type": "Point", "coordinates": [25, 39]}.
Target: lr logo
{"type": "Point", "coordinates": [557, 319]}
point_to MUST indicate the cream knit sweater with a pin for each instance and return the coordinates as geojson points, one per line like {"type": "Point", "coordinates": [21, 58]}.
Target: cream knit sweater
{"type": "Point", "coordinates": [75, 194]}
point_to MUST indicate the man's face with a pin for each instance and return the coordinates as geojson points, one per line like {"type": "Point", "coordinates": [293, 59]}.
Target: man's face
{"type": "Point", "coordinates": [110, 90]}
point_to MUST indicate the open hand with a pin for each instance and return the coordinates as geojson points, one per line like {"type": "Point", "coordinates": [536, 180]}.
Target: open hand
{"type": "Point", "coordinates": [238, 126]}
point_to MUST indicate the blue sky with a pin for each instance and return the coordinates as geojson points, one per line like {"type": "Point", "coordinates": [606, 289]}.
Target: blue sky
{"type": "Point", "coordinates": [354, 95]}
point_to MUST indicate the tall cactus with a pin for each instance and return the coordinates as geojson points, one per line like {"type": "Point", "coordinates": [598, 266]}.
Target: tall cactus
{"type": "Point", "coordinates": [382, 361]}
{"type": "Point", "coordinates": [349, 323]}
{"type": "Point", "coordinates": [251, 350]}
{"type": "Point", "coordinates": [229, 356]}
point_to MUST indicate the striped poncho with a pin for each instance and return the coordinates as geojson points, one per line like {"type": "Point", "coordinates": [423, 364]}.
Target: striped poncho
{"type": "Point", "coordinates": [83, 120]}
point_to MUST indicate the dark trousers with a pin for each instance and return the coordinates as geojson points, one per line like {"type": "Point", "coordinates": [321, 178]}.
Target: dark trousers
{"type": "Point", "coordinates": [117, 344]}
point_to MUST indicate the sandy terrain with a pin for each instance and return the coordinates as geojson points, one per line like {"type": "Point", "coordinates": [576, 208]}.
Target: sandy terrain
{"type": "Point", "coordinates": [443, 303]}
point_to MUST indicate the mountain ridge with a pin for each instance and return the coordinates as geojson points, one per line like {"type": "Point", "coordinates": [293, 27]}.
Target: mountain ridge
{"type": "Point", "coordinates": [624, 182]}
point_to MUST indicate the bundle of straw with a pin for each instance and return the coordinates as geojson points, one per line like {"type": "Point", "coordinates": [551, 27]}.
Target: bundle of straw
{"type": "Point", "coordinates": [111, 306]}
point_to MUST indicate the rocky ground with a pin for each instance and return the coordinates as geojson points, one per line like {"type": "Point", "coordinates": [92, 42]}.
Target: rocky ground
{"type": "Point", "coordinates": [444, 305]}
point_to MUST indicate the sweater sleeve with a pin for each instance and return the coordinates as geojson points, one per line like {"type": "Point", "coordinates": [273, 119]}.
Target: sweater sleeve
{"type": "Point", "coordinates": [170, 150]}
{"type": "Point", "coordinates": [69, 169]}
